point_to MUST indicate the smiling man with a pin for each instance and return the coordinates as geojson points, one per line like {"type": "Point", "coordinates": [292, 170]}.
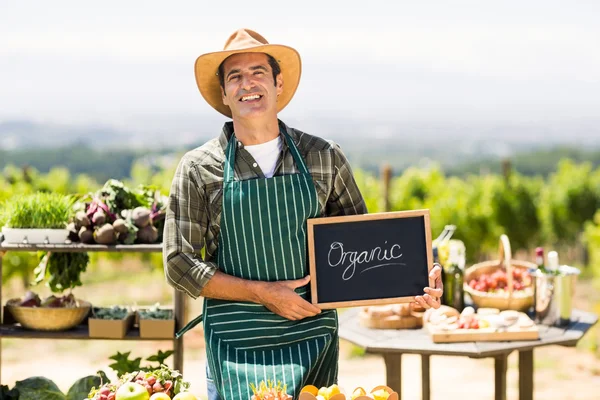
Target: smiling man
{"type": "Point", "coordinates": [244, 197]}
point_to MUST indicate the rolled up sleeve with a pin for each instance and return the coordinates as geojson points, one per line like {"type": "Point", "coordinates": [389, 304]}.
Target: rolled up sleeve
{"type": "Point", "coordinates": [186, 223]}
{"type": "Point", "coordinates": [345, 198]}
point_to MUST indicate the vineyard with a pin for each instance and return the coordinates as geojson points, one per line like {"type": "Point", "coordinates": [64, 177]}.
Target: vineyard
{"type": "Point", "coordinates": [561, 211]}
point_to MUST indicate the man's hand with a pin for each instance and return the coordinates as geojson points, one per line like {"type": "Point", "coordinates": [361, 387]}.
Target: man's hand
{"type": "Point", "coordinates": [280, 298]}
{"type": "Point", "coordinates": [432, 296]}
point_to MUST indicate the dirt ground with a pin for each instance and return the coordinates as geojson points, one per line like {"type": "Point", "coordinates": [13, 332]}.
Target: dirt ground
{"type": "Point", "coordinates": [560, 373]}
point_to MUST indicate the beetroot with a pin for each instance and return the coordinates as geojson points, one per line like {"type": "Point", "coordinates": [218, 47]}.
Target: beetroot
{"type": "Point", "coordinates": [141, 217]}
{"type": "Point", "coordinates": [147, 234]}
{"type": "Point", "coordinates": [105, 234]}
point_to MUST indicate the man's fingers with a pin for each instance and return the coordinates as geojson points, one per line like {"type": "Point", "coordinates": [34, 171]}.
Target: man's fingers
{"type": "Point", "coordinates": [296, 283]}
{"type": "Point", "coordinates": [431, 301]}
{"type": "Point", "coordinates": [434, 292]}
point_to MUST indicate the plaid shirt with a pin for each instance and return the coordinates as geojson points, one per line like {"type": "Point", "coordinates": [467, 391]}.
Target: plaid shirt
{"type": "Point", "coordinates": [194, 211]}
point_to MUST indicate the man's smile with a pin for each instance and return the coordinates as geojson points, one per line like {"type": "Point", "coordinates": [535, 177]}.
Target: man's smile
{"type": "Point", "coordinates": [250, 97]}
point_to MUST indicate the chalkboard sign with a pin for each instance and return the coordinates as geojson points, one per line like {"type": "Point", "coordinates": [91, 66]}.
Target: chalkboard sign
{"type": "Point", "coordinates": [369, 259]}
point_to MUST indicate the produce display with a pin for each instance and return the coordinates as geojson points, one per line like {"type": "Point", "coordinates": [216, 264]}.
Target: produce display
{"type": "Point", "coordinates": [162, 383]}
{"type": "Point", "coordinates": [497, 281]}
{"type": "Point", "coordinates": [334, 392]}
{"type": "Point", "coordinates": [32, 299]}
{"type": "Point", "coordinates": [118, 214]}
{"type": "Point", "coordinates": [270, 391]}
{"type": "Point", "coordinates": [449, 319]}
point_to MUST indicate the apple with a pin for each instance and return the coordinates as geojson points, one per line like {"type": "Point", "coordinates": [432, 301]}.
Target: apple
{"type": "Point", "coordinates": [184, 396]}
{"type": "Point", "coordinates": [132, 391]}
{"type": "Point", "coordinates": [160, 396]}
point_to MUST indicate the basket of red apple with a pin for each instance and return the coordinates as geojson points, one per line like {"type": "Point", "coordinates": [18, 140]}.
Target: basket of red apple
{"type": "Point", "coordinates": [505, 284]}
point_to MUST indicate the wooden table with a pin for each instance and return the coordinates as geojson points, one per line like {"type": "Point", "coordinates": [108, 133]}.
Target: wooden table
{"type": "Point", "coordinates": [391, 344]}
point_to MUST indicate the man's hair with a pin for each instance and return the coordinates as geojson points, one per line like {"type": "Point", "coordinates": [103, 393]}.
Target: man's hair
{"type": "Point", "coordinates": [272, 62]}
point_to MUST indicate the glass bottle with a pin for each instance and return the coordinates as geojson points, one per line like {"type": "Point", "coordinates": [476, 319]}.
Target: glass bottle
{"type": "Point", "coordinates": [453, 286]}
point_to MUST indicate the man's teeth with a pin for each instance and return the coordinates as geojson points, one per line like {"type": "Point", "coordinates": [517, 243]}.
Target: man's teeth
{"type": "Point", "coordinates": [253, 97]}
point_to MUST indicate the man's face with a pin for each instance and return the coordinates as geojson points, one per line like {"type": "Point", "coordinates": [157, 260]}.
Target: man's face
{"type": "Point", "coordinates": [250, 91]}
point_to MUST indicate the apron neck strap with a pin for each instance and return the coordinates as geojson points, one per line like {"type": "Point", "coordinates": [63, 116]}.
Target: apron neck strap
{"type": "Point", "coordinates": [232, 147]}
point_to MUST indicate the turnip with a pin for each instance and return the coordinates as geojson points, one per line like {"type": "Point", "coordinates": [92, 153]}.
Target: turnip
{"type": "Point", "coordinates": [105, 234]}
{"type": "Point", "coordinates": [147, 234]}
{"type": "Point", "coordinates": [141, 217]}
{"type": "Point", "coordinates": [86, 235]}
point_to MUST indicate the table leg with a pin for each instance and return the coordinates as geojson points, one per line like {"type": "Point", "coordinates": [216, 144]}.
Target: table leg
{"type": "Point", "coordinates": [425, 383]}
{"type": "Point", "coordinates": [393, 372]}
{"type": "Point", "coordinates": [526, 375]}
{"type": "Point", "coordinates": [500, 367]}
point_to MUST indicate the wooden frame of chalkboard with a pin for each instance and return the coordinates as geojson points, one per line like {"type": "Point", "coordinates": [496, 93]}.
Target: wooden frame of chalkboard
{"type": "Point", "coordinates": [393, 247]}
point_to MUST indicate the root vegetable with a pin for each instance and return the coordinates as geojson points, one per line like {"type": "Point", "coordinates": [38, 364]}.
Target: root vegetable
{"type": "Point", "coordinates": [99, 218]}
{"type": "Point", "coordinates": [141, 217]}
{"type": "Point", "coordinates": [81, 219]}
{"type": "Point", "coordinates": [73, 232]}
{"type": "Point", "coordinates": [120, 226]}
{"type": "Point", "coordinates": [148, 234]}
{"type": "Point", "coordinates": [105, 234]}
{"type": "Point", "coordinates": [86, 235]}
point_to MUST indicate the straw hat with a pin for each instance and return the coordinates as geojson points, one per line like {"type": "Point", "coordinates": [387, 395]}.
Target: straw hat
{"type": "Point", "coordinates": [246, 41]}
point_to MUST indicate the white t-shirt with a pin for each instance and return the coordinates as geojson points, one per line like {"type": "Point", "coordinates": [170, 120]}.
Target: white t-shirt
{"type": "Point", "coordinates": [266, 155]}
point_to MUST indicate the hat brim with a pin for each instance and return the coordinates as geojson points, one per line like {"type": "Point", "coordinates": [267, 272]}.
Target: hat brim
{"type": "Point", "coordinates": [207, 66]}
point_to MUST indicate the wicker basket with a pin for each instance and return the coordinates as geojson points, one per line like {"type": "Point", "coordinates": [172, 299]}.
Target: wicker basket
{"type": "Point", "coordinates": [509, 300]}
{"type": "Point", "coordinates": [48, 318]}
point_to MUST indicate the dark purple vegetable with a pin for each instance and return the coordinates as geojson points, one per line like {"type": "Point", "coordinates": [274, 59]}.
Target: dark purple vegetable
{"type": "Point", "coordinates": [86, 235]}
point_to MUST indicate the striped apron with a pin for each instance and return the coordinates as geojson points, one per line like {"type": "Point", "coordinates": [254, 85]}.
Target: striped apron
{"type": "Point", "coordinates": [263, 237]}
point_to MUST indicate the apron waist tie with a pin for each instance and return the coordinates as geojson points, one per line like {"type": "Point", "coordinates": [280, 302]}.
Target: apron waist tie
{"type": "Point", "coordinates": [189, 326]}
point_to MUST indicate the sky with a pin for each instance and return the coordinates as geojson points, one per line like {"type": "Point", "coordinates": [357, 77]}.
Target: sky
{"type": "Point", "coordinates": [130, 63]}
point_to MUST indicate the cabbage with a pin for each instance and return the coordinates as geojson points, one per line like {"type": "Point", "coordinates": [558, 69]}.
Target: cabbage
{"type": "Point", "coordinates": [38, 388]}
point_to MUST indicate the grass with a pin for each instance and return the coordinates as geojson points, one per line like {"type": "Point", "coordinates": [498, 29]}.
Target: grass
{"type": "Point", "coordinates": [38, 210]}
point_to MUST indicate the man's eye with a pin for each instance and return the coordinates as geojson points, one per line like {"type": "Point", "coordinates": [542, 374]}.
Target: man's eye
{"type": "Point", "coordinates": [258, 73]}
{"type": "Point", "coordinates": [234, 77]}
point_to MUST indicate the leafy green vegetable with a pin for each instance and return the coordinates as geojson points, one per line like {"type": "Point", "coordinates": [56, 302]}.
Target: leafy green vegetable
{"type": "Point", "coordinates": [119, 197]}
{"type": "Point", "coordinates": [155, 312]}
{"type": "Point", "coordinates": [6, 394]}
{"type": "Point", "coordinates": [114, 312]}
{"type": "Point", "coordinates": [63, 270]}
{"type": "Point", "coordinates": [82, 387]}
{"type": "Point", "coordinates": [38, 388]}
